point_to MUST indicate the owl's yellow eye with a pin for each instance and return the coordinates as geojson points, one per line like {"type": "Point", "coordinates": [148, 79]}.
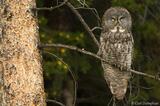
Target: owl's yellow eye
{"type": "Point", "coordinates": [121, 18]}
{"type": "Point", "coordinates": [113, 19]}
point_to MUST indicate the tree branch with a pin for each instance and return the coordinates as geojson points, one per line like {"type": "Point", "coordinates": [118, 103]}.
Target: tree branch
{"type": "Point", "coordinates": [78, 16]}
{"type": "Point", "coordinates": [93, 55]}
{"type": "Point", "coordinates": [94, 11]}
{"type": "Point", "coordinates": [54, 101]}
{"type": "Point", "coordinates": [83, 22]}
{"type": "Point", "coordinates": [71, 48]}
{"type": "Point", "coordinates": [72, 75]}
{"type": "Point", "coordinates": [95, 28]}
{"type": "Point", "coordinates": [144, 74]}
{"type": "Point", "coordinates": [52, 8]}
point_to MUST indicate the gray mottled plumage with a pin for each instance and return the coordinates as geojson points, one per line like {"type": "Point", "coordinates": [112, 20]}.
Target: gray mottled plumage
{"type": "Point", "coordinates": [116, 44]}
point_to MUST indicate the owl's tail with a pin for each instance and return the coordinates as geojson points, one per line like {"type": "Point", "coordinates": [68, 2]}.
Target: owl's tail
{"type": "Point", "coordinates": [117, 81]}
{"type": "Point", "coordinates": [119, 90]}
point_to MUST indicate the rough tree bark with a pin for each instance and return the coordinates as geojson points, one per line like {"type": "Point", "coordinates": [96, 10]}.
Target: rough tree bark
{"type": "Point", "coordinates": [21, 76]}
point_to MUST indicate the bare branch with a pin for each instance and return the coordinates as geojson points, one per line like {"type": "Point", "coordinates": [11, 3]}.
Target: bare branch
{"type": "Point", "coordinates": [86, 7]}
{"type": "Point", "coordinates": [77, 14]}
{"type": "Point", "coordinates": [83, 22]}
{"type": "Point", "coordinates": [83, 3]}
{"type": "Point", "coordinates": [95, 56]}
{"type": "Point", "coordinates": [93, 10]}
{"type": "Point", "coordinates": [145, 14]}
{"type": "Point", "coordinates": [94, 28]}
{"type": "Point", "coordinates": [144, 74]}
{"type": "Point", "coordinates": [52, 8]}
{"type": "Point", "coordinates": [54, 101]}
{"type": "Point", "coordinates": [142, 87]}
{"type": "Point", "coordinates": [72, 74]}
{"type": "Point", "coordinates": [72, 48]}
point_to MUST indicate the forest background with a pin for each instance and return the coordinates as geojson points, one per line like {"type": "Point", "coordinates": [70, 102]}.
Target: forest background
{"type": "Point", "coordinates": [62, 26]}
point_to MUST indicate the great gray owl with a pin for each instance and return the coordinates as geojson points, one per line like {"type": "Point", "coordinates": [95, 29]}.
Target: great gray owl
{"type": "Point", "coordinates": [116, 44]}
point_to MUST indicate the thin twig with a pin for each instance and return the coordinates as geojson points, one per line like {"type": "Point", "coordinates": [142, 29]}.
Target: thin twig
{"type": "Point", "coordinates": [142, 87]}
{"type": "Point", "coordinates": [85, 6]}
{"type": "Point", "coordinates": [80, 100]}
{"type": "Point", "coordinates": [83, 22]}
{"type": "Point", "coordinates": [77, 14]}
{"type": "Point", "coordinates": [145, 14]}
{"type": "Point", "coordinates": [72, 74]}
{"type": "Point", "coordinates": [83, 3]}
{"type": "Point", "coordinates": [94, 28]}
{"type": "Point", "coordinates": [130, 89]}
{"type": "Point", "coordinates": [52, 8]}
{"type": "Point", "coordinates": [144, 74]}
{"type": "Point", "coordinates": [114, 101]}
{"type": "Point", "coordinates": [93, 55]}
{"type": "Point", "coordinates": [153, 15]}
{"type": "Point", "coordinates": [110, 101]}
{"type": "Point", "coordinates": [125, 101]}
{"type": "Point", "coordinates": [54, 101]}
{"type": "Point", "coordinates": [94, 12]}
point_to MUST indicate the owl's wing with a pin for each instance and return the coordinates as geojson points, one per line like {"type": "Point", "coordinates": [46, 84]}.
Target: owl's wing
{"type": "Point", "coordinates": [102, 44]}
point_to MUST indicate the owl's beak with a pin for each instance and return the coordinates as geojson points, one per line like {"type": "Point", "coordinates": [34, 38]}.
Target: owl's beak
{"type": "Point", "coordinates": [120, 29]}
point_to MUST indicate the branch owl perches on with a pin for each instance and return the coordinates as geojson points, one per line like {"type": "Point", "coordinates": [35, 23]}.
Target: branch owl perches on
{"type": "Point", "coordinates": [116, 47]}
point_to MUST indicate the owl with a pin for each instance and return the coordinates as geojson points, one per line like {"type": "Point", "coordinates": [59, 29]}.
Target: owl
{"type": "Point", "coordinates": [116, 47]}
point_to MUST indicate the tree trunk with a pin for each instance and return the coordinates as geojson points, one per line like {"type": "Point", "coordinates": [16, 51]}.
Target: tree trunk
{"type": "Point", "coordinates": [21, 76]}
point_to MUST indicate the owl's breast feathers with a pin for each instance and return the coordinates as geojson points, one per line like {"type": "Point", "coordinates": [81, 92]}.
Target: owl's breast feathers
{"type": "Point", "coordinates": [117, 51]}
{"type": "Point", "coordinates": [117, 37]}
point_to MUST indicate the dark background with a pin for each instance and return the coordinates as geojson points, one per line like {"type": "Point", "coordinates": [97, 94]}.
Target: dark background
{"type": "Point", "coordinates": [62, 26]}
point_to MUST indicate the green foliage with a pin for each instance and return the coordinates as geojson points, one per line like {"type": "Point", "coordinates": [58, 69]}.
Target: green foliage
{"type": "Point", "coordinates": [42, 21]}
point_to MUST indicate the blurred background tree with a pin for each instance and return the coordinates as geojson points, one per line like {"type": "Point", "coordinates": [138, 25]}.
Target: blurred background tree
{"type": "Point", "coordinates": [62, 26]}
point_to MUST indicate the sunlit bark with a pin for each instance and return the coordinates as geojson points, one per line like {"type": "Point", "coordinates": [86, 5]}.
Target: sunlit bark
{"type": "Point", "coordinates": [21, 76]}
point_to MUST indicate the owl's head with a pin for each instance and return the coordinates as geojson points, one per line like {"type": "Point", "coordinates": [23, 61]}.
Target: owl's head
{"type": "Point", "coordinates": [117, 19]}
